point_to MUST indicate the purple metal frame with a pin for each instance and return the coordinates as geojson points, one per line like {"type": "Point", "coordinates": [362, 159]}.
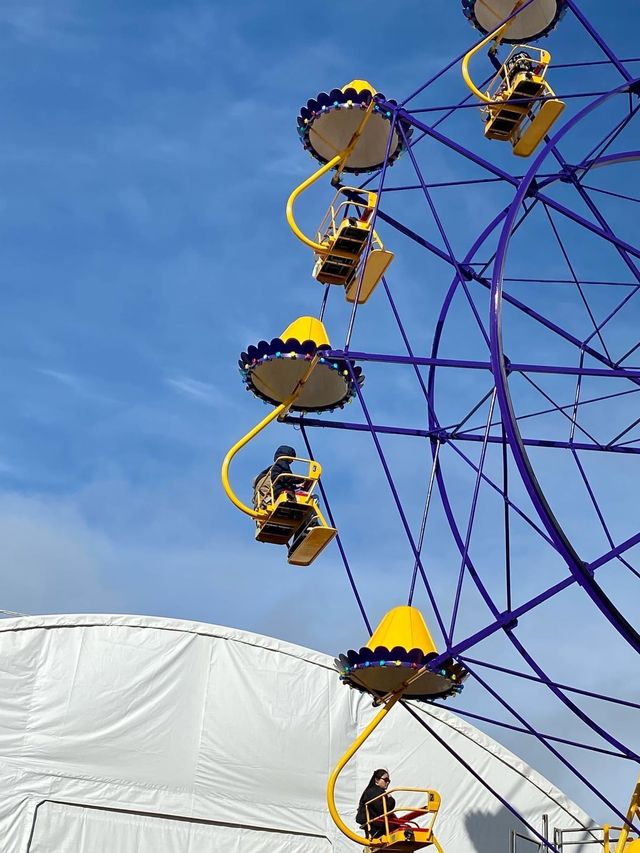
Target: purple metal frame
{"type": "Point", "coordinates": [529, 192]}
{"type": "Point", "coordinates": [583, 574]}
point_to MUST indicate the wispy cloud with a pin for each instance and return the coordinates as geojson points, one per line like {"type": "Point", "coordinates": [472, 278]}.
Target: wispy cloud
{"type": "Point", "coordinates": [203, 392]}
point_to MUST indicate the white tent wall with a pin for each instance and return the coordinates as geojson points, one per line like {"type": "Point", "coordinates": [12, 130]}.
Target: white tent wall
{"type": "Point", "coordinates": [139, 734]}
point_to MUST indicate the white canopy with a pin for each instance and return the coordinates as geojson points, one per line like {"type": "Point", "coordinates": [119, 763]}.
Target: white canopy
{"type": "Point", "coordinates": [148, 735]}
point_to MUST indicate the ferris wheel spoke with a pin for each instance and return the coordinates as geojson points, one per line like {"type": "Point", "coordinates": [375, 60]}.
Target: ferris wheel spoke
{"type": "Point", "coordinates": [559, 409]}
{"type": "Point", "coordinates": [452, 259]}
{"type": "Point", "coordinates": [549, 737]}
{"type": "Point", "coordinates": [614, 552]}
{"type": "Point", "coordinates": [599, 41]}
{"type": "Point", "coordinates": [593, 159]}
{"type": "Point", "coordinates": [576, 404]}
{"type": "Point", "coordinates": [446, 745]}
{"type": "Point", "coordinates": [343, 555]}
{"type": "Point", "coordinates": [527, 676]}
{"type": "Point", "coordinates": [576, 281]}
{"type": "Point", "coordinates": [508, 707]}
{"type": "Point", "coordinates": [472, 514]}
{"type": "Point", "coordinates": [610, 193]}
{"type": "Point", "coordinates": [398, 503]}
{"type": "Point", "coordinates": [598, 511]}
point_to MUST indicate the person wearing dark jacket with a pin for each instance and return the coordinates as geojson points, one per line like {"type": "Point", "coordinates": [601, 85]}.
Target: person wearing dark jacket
{"type": "Point", "coordinates": [280, 466]}
{"type": "Point", "coordinates": [376, 805]}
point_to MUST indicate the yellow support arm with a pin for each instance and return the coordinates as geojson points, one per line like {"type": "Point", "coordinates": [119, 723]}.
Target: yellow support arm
{"type": "Point", "coordinates": [317, 247]}
{"type": "Point", "coordinates": [335, 161]}
{"type": "Point", "coordinates": [331, 785]}
{"type": "Point", "coordinates": [278, 412]}
{"type": "Point", "coordinates": [634, 808]}
{"type": "Point", "coordinates": [465, 62]}
{"type": "Point", "coordinates": [226, 485]}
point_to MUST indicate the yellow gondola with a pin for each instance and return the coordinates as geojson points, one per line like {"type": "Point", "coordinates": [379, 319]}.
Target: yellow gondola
{"type": "Point", "coordinates": [520, 107]}
{"type": "Point", "coordinates": [293, 372]}
{"type": "Point", "coordinates": [523, 106]}
{"type": "Point", "coordinates": [348, 130]}
{"type": "Point", "coordinates": [292, 516]}
{"type": "Point", "coordinates": [403, 830]}
{"type": "Point", "coordinates": [395, 664]}
{"type": "Point", "coordinates": [344, 234]}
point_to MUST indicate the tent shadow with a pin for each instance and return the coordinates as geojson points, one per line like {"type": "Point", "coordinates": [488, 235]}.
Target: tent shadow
{"type": "Point", "coordinates": [491, 831]}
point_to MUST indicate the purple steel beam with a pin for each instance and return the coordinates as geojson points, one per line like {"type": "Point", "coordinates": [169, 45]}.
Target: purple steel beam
{"type": "Point", "coordinates": [472, 515]}
{"type": "Point", "coordinates": [599, 41]}
{"type": "Point", "coordinates": [444, 436]}
{"type": "Point", "coordinates": [398, 503]}
{"type": "Point", "coordinates": [532, 191]}
{"type": "Point", "coordinates": [609, 555]}
{"type": "Point", "coordinates": [374, 216]}
{"type": "Point", "coordinates": [596, 163]}
{"type": "Point", "coordinates": [502, 701]}
{"type": "Point", "coordinates": [528, 677]}
{"type": "Point", "coordinates": [501, 621]}
{"type": "Point", "coordinates": [558, 65]}
{"type": "Point", "coordinates": [549, 324]}
{"type": "Point", "coordinates": [468, 767]}
{"type": "Point", "coordinates": [343, 555]}
{"type": "Point", "coordinates": [514, 367]}
{"type": "Point", "coordinates": [524, 731]}
{"type": "Point", "coordinates": [582, 573]}
{"type": "Point", "coordinates": [563, 97]}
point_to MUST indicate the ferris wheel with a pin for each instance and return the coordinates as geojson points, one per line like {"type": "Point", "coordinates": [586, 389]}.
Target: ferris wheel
{"type": "Point", "coordinates": [522, 384]}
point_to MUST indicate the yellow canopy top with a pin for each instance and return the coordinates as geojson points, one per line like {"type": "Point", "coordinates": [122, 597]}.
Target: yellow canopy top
{"type": "Point", "coordinates": [360, 86]}
{"type": "Point", "coordinates": [404, 627]}
{"type": "Point", "coordinates": [307, 329]}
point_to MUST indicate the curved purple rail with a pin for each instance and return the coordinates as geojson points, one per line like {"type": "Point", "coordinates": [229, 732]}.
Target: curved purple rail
{"type": "Point", "coordinates": [580, 571]}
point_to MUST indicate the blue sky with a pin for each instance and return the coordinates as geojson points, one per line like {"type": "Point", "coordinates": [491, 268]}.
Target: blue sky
{"type": "Point", "coordinates": [146, 154]}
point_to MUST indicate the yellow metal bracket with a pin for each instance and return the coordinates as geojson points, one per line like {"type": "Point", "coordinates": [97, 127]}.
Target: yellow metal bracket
{"type": "Point", "coordinates": [634, 810]}
{"type": "Point", "coordinates": [495, 35]}
{"type": "Point", "coordinates": [387, 702]}
{"type": "Point", "coordinates": [279, 412]}
{"type": "Point", "coordinates": [340, 158]}
{"type": "Point", "coordinates": [331, 785]}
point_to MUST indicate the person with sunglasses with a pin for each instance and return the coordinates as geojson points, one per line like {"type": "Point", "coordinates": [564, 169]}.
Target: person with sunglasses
{"type": "Point", "coordinates": [375, 804]}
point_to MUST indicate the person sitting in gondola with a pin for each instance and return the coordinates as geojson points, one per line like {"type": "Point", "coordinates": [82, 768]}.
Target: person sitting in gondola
{"type": "Point", "coordinates": [521, 62]}
{"type": "Point", "coordinates": [375, 804]}
{"type": "Point", "coordinates": [274, 477]}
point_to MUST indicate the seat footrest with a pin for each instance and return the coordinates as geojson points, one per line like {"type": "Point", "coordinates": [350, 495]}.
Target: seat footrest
{"type": "Point", "coordinates": [406, 840]}
{"type": "Point", "coordinates": [375, 267]}
{"type": "Point", "coordinates": [310, 546]}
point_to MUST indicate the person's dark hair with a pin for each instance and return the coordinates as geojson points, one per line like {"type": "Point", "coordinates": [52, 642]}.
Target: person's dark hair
{"type": "Point", "coordinates": [377, 774]}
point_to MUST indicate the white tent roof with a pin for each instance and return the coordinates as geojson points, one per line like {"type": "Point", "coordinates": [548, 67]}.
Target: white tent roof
{"type": "Point", "coordinates": [144, 734]}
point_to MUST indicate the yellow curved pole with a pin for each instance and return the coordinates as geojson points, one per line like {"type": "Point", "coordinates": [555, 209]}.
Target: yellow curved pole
{"type": "Point", "coordinates": [331, 784]}
{"type": "Point", "coordinates": [280, 410]}
{"type": "Point", "coordinates": [226, 485]}
{"type": "Point", "coordinates": [342, 157]}
{"type": "Point", "coordinates": [465, 63]}
{"type": "Point", "coordinates": [494, 35]}
{"type": "Point", "coordinates": [634, 808]}
{"type": "Point", "coordinates": [317, 247]}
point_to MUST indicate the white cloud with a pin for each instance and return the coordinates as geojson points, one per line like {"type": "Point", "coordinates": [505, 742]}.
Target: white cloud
{"type": "Point", "coordinates": [204, 392]}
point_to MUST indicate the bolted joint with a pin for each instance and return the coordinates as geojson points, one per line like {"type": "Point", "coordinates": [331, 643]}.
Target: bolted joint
{"type": "Point", "coordinates": [532, 190]}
